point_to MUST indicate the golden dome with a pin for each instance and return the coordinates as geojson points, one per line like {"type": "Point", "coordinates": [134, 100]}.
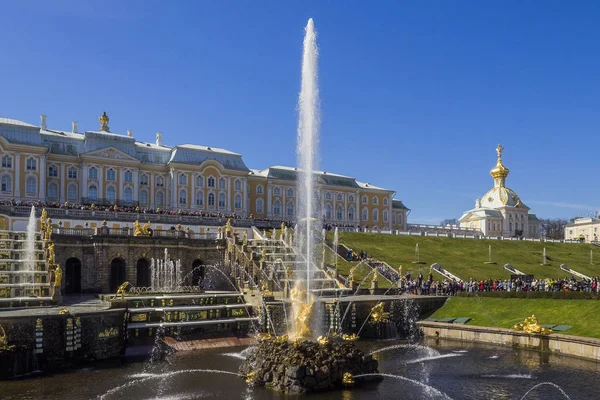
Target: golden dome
{"type": "Point", "coordinates": [499, 171]}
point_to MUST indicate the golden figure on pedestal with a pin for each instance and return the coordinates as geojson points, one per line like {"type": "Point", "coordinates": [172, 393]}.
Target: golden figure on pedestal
{"type": "Point", "coordinates": [531, 325]}
{"type": "Point", "coordinates": [57, 276]}
{"type": "Point", "coordinates": [378, 313]}
{"type": "Point", "coordinates": [141, 230]}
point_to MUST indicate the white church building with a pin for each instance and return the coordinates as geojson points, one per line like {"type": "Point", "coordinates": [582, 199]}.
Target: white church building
{"type": "Point", "coordinates": [500, 212]}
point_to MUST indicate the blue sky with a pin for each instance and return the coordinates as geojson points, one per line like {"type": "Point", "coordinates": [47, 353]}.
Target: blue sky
{"type": "Point", "coordinates": [415, 95]}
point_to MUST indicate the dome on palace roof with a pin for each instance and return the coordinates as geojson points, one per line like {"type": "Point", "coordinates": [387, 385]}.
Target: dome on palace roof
{"type": "Point", "coordinates": [501, 196]}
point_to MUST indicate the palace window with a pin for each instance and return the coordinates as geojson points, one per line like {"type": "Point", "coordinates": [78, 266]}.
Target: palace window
{"type": "Point", "coordinates": [160, 181]}
{"type": "Point", "coordinates": [128, 194]}
{"type": "Point", "coordinates": [393, 219]}
{"type": "Point", "coordinates": [221, 183]}
{"type": "Point", "coordinates": [31, 164]}
{"type": "Point", "coordinates": [276, 207]}
{"type": "Point", "coordinates": [290, 193]}
{"type": "Point", "coordinates": [52, 171]}
{"type": "Point", "coordinates": [31, 185]}
{"type": "Point", "coordinates": [237, 185]}
{"type": "Point", "coordinates": [111, 193]}
{"type": "Point", "coordinates": [93, 173]}
{"type": "Point", "coordinates": [200, 181]}
{"type": "Point", "coordinates": [182, 197]}
{"type": "Point", "coordinates": [221, 200]}
{"type": "Point", "coordinates": [365, 214]}
{"type": "Point", "coordinates": [52, 191]}
{"type": "Point", "coordinates": [144, 197]}
{"type": "Point", "coordinates": [375, 200]}
{"type": "Point", "coordinates": [72, 173]}
{"type": "Point", "coordinates": [328, 211]}
{"type": "Point", "coordinates": [339, 212]}
{"type": "Point", "coordinates": [290, 209]}
{"type": "Point", "coordinates": [351, 198]}
{"type": "Point", "coordinates": [375, 215]}
{"type": "Point", "coordinates": [72, 192]}
{"type": "Point", "coordinates": [211, 182]}
{"type": "Point", "coordinates": [399, 219]}
{"type": "Point", "coordinates": [111, 175]}
{"type": "Point", "coordinates": [199, 198]}
{"type": "Point", "coordinates": [237, 202]}
{"type": "Point", "coordinates": [259, 189]}
{"type": "Point", "coordinates": [351, 213]}
{"type": "Point", "coordinates": [365, 199]}
{"type": "Point", "coordinates": [385, 216]}
{"type": "Point", "coordinates": [144, 179]}
{"type": "Point", "coordinates": [182, 179]}
{"type": "Point", "coordinates": [6, 162]}
{"type": "Point", "coordinates": [93, 192]}
{"type": "Point", "coordinates": [339, 197]}
{"type": "Point", "coordinates": [328, 196]}
{"type": "Point", "coordinates": [6, 183]}
{"type": "Point", "coordinates": [211, 199]}
{"type": "Point", "coordinates": [160, 198]}
{"type": "Point", "coordinates": [276, 191]}
{"type": "Point", "coordinates": [259, 206]}
{"type": "Point", "coordinates": [385, 201]}
{"type": "Point", "coordinates": [128, 176]}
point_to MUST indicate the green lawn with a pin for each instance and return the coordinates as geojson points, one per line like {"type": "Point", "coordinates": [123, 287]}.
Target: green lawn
{"type": "Point", "coordinates": [466, 257]}
{"type": "Point", "coordinates": [344, 267]}
{"type": "Point", "coordinates": [582, 315]}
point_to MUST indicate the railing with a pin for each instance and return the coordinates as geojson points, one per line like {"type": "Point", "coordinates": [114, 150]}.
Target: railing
{"type": "Point", "coordinates": [108, 202]}
{"type": "Point", "coordinates": [105, 231]}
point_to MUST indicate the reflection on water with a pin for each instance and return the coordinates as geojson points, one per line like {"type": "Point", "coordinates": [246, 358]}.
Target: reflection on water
{"type": "Point", "coordinates": [432, 370]}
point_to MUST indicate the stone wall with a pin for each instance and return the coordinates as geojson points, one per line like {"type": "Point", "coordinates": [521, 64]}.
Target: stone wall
{"type": "Point", "coordinates": [576, 346]}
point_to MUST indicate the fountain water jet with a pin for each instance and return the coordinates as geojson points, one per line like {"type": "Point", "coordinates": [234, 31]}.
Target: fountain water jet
{"type": "Point", "coordinates": [30, 246]}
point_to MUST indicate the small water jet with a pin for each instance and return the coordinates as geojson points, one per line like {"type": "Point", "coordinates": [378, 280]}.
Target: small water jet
{"type": "Point", "coordinates": [165, 274]}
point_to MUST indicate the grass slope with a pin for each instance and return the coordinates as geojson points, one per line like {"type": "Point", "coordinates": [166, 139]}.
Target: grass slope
{"type": "Point", "coordinates": [505, 313]}
{"type": "Point", "coordinates": [466, 257]}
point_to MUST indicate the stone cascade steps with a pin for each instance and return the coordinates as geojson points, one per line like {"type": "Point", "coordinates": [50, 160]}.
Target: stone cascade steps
{"type": "Point", "coordinates": [146, 325]}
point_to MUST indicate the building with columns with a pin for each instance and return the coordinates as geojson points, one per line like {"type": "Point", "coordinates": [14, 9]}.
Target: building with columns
{"type": "Point", "coordinates": [106, 168]}
{"type": "Point", "coordinates": [500, 212]}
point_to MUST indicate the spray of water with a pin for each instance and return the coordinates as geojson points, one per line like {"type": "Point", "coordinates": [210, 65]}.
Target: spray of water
{"type": "Point", "coordinates": [429, 390]}
{"type": "Point", "coordinates": [30, 246]}
{"type": "Point", "coordinates": [546, 384]}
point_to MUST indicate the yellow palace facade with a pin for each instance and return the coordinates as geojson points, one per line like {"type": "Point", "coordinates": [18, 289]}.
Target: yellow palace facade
{"type": "Point", "coordinates": [105, 168]}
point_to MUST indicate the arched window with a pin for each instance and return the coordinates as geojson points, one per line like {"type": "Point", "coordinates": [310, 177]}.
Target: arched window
{"type": "Point", "coordinates": [259, 189]}
{"type": "Point", "coordinates": [237, 201]}
{"type": "Point", "coordinates": [328, 211]}
{"type": "Point", "coordinates": [237, 185]}
{"type": "Point", "coordinates": [182, 197]}
{"type": "Point", "coordinates": [93, 173]}
{"type": "Point", "coordinates": [31, 185]}
{"type": "Point", "coordinates": [199, 198]}
{"type": "Point", "coordinates": [276, 191]}
{"type": "Point", "coordinates": [365, 199]}
{"type": "Point", "coordinates": [128, 176]}
{"type": "Point", "coordinates": [365, 214]}
{"type": "Point", "coordinates": [143, 179]}
{"type": "Point", "coordinates": [328, 196]}
{"type": "Point", "coordinates": [160, 198]}
{"type": "Point", "coordinates": [289, 209]}
{"type": "Point", "coordinates": [200, 181]}
{"type": "Point", "coordinates": [128, 194]}
{"type": "Point", "coordinates": [221, 200]}
{"type": "Point", "coordinates": [399, 219]}
{"type": "Point", "coordinates": [72, 173]}
{"type": "Point", "coordinates": [222, 183]}
{"type": "Point", "coordinates": [160, 182]}
{"type": "Point", "coordinates": [31, 164]}
{"type": "Point", "coordinates": [276, 207]}
{"type": "Point", "coordinates": [375, 200]}
{"type": "Point", "coordinates": [385, 201]}
{"type": "Point", "coordinates": [93, 192]}
{"type": "Point", "coordinates": [72, 192]}
{"type": "Point", "coordinates": [375, 215]}
{"type": "Point", "coordinates": [111, 175]}
{"type": "Point", "coordinates": [6, 183]}
{"type": "Point", "coordinates": [259, 206]}
{"type": "Point", "coordinates": [339, 212]}
{"type": "Point", "coordinates": [144, 197]}
{"type": "Point", "coordinates": [351, 198]}
{"type": "Point", "coordinates": [385, 216]}
{"type": "Point", "coordinates": [211, 199]}
{"type": "Point", "coordinates": [182, 179]}
{"type": "Point", "coordinates": [340, 197]}
{"type": "Point", "coordinates": [510, 226]}
{"type": "Point", "coordinates": [111, 193]}
{"type": "Point", "coordinates": [6, 162]}
{"type": "Point", "coordinates": [211, 182]}
{"type": "Point", "coordinates": [290, 193]}
{"type": "Point", "coordinates": [351, 213]}
{"type": "Point", "coordinates": [52, 171]}
{"type": "Point", "coordinates": [393, 218]}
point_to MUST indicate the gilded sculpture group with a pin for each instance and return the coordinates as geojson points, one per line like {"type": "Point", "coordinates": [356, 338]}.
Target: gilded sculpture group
{"type": "Point", "coordinates": [46, 229]}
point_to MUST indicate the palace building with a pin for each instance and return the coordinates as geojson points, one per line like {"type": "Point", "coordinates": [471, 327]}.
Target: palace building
{"type": "Point", "coordinates": [106, 168]}
{"type": "Point", "coordinates": [500, 212]}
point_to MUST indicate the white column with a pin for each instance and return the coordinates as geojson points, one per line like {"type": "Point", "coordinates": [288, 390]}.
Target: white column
{"type": "Point", "coordinates": [17, 182]}
{"type": "Point", "coordinates": [136, 184]}
{"type": "Point", "coordinates": [42, 180]}
{"type": "Point", "coordinates": [228, 194]}
{"type": "Point", "coordinates": [100, 181]}
{"type": "Point", "coordinates": [268, 188]}
{"type": "Point", "coordinates": [357, 211]}
{"type": "Point", "coordinates": [173, 179]}
{"type": "Point", "coordinates": [193, 192]}
{"type": "Point", "coordinates": [83, 186]}
{"type": "Point", "coordinates": [244, 197]}
{"type": "Point", "coordinates": [61, 182]}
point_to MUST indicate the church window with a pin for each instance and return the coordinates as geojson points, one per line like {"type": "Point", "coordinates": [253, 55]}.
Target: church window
{"type": "Point", "coordinates": [52, 171]}
{"type": "Point", "coordinates": [128, 194]}
{"type": "Point", "coordinates": [237, 185]}
{"type": "Point", "coordinates": [182, 179]}
{"type": "Point", "coordinates": [365, 199]}
{"type": "Point", "coordinates": [222, 183]}
{"type": "Point", "coordinates": [375, 200]}
{"type": "Point", "coordinates": [351, 213]}
{"type": "Point", "coordinates": [111, 175]}
{"type": "Point", "coordinates": [259, 189]}
{"type": "Point", "coordinates": [375, 215]}
{"type": "Point", "coordinates": [6, 183]}
{"type": "Point", "coordinates": [93, 173]}
{"type": "Point", "coordinates": [128, 176]}
{"type": "Point", "coordinates": [237, 201]}
{"type": "Point", "coordinates": [365, 214]}
{"type": "Point", "coordinates": [72, 192]}
{"type": "Point", "coordinates": [211, 182]}
{"type": "Point", "coordinates": [385, 216]}
{"type": "Point", "coordinates": [72, 173]}
{"type": "Point", "coordinates": [276, 207]}
{"type": "Point", "coordinates": [259, 206]}
{"type": "Point", "coordinates": [144, 197]}
{"type": "Point", "coordinates": [385, 201]}
{"type": "Point", "coordinates": [221, 200]}
{"type": "Point", "coordinates": [111, 193]}
{"type": "Point", "coordinates": [160, 198]}
{"type": "Point", "coordinates": [31, 185]}
{"type": "Point", "coordinates": [93, 192]}
{"type": "Point", "coordinates": [200, 181]}
{"type": "Point", "coordinates": [31, 164]}
{"type": "Point", "coordinates": [6, 162]}
{"type": "Point", "coordinates": [290, 209]}
{"type": "Point", "coordinates": [143, 179]}
{"type": "Point", "coordinates": [199, 198]}
{"type": "Point", "coordinates": [211, 199]}
{"type": "Point", "coordinates": [339, 212]}
{"type": "Point", "coordinates": [182, 197]}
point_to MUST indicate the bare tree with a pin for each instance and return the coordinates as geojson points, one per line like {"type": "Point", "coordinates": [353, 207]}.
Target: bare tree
{"type": "Point", "coordinates": [553, 228]}
{"type": "Point", "coordinates": [453, 221]}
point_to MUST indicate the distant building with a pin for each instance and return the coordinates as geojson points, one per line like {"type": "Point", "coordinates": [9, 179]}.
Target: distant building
{"type": "Point", "coordinates": [500, 212]}
{"type": "Point", "coordinates": [584, 229]}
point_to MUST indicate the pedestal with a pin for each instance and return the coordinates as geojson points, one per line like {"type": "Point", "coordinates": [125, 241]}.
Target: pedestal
{"type": "Point", "coordinates": [374, 287]}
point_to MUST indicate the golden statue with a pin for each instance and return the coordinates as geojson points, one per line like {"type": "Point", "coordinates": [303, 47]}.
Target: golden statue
{"type": "Point", "coordinates": [288, 272]}
{"type": "Point", "coordinates": [348, 379]}
{"type": "Point", "coordinates": [48, 232]}
{"type": "Point", "coordinates": [375, 275]}
{"type": "Point", "coordinates": [378, 313]}
{"type": "Point", "coordinates": [350, 338]}
{"type": "Point", "coordinates": [282, 227]}
{"type": "Point", "coordinates": [265, 290]}
{"type": "Point", "coordinates": [400, 271]}
{"type": "Point", "coordinates": [3, 340]}
{"type": "Point", "coordinates": [104, 122]}
{"type": "Point", "coordinates": [499, 150]}
{"type": "Point", "coordinates": [263, 254]}
{"type": "Point", "coordinates": [146, 228]}
{"type": "Point", "coordinates": [122, 290]}
{"type": "Point", "coordinates": [323, 340]}
{"type": "Point", "coordinates": [44, 221]}
{"type": "Point", "coordinates": [302, 309]}
{"type": "Point", "coordinates": [57, 276]}
{"type": "Point", "coordinates": [228, 228]}
{"type": "Point", "coordinates": [245, 238]}
{"type": "Point", "coordinates": [51, 255]}
{"type": "Point", "coordinates": [531, 325]}
{"type": "Point", "coordinates": [141, 230]}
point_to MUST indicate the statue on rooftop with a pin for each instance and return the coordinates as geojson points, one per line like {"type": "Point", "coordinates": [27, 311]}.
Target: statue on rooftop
{"type": "Point", "coordinates": [104, 122]}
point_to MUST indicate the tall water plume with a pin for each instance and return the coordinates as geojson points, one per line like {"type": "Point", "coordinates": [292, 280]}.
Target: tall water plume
{"type": "Point", "coordinates": [30, 245]}
{"type": "Point", "coordinates": [308, 147]}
